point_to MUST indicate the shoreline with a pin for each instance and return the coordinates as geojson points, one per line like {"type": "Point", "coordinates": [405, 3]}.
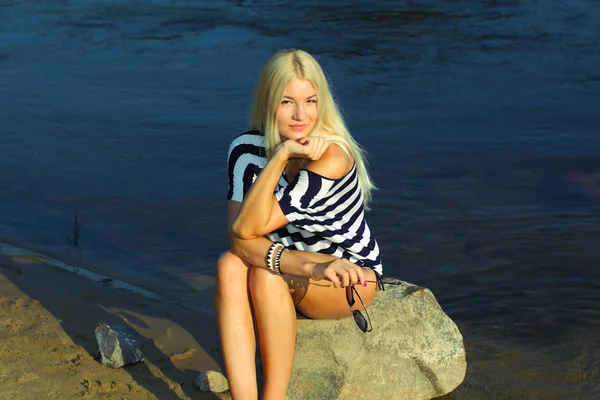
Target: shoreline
{"type": "Point", "coordinates": [21, 253]}
{"type": "Point", "coordinates": [48, 345]}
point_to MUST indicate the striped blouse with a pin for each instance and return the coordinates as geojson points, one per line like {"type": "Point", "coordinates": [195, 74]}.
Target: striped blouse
{"type": "Point", "coordinates": [325, 215]}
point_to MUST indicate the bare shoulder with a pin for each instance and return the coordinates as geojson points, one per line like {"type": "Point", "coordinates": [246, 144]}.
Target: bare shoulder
{"type": "Point", "coordinates": [333, 164]}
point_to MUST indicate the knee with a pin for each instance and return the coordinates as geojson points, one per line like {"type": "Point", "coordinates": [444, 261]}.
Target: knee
{"type": "Point", "coordinates": [232, 272]}
{"type": "Point", "coordinates": [261, 281]}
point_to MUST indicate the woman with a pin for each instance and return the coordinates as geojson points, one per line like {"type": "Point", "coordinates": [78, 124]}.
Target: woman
{"type": "Point", "coordinates": [309, 201]}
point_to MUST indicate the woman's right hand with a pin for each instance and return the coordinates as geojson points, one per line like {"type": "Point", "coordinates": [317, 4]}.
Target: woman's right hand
{"type": "Point", "coordinates": [340, 272]}
{"type": "Point", "coordinates": [310, 147]}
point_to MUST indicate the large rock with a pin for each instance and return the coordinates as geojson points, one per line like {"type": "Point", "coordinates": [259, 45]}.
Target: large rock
{"type": "Point", "coordinates": [119, 345]}
{"type": "Point", "coordinates": [415, 351]}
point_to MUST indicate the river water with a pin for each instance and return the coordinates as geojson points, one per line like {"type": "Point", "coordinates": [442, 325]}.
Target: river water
{"type": "Point", "coordinates": [480, 119]}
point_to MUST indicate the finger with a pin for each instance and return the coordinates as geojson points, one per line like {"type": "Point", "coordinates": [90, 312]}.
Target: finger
{"type": "Point", "coordinates": [353, 275]}
{"type": "Point", "coordinates": [317, 153]}
{"type": "Point", "coordinates": [361, 275]}
{"type": "Point", "coordinates": [295, 148]}
{"type": "Point", "coordinates": [357, 271]}
{"type": "Point", "coordinates": [320, 153]}
{"type": "Point", "coordinates": [333, 277]}
{"type": "Point", "coordinates": [306, 147]}
{"type": "Point", "coordinates": [310, 148]}
{"type": "Point", "coordinates": [322, 143]}
{"type": "Point", "coordinates": [345, 277]}
{"type": "Point", "coordinates": [329, 274]}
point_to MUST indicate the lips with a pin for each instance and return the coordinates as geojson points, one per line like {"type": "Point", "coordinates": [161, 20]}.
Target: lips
{"type": "Point", "coordinates": [298, 127]}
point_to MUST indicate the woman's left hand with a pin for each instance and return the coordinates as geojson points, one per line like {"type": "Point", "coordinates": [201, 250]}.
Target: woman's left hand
{"type": "Point", "coordinates": [310, 147]}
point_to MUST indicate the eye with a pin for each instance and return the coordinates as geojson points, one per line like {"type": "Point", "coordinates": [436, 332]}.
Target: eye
{"type": "Point", "coordinates": [312, 101]}
{"type": "Point", "coordinates": [286, 101]}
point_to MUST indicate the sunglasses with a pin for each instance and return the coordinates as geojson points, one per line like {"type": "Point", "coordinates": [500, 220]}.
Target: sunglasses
{"type": "Point", "coordinates": [359, 318]}
{"type": "Point", "coordinates": [364, 324]}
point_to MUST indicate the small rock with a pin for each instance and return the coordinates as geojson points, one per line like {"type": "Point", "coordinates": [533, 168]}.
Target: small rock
{"type": "Point", "coordinates": [119, 345]}
{"type": "Point", "coordinates": [211, 381]}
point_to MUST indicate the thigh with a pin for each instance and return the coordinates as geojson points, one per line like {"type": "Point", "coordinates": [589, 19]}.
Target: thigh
{"type": "Point", "coordinates": [320, 299]}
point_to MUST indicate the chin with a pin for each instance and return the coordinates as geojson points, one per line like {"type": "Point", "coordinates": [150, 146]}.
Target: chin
{"type": "Point", "coordinates": [292, 135]}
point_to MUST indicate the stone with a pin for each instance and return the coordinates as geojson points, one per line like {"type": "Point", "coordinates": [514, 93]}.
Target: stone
{"type": "Point", "coordinates": [119, 345]}
{"type": "Point", "coordinates": [211, 381]}
{"type": "Point", "coordinates": [415, 351]}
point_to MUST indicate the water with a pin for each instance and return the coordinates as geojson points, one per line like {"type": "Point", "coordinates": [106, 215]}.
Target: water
{"type": "Point", "coordinates": [480, 118]}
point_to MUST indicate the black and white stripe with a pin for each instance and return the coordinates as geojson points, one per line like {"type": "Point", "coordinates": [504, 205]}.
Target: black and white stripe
{"type": "Point", "coordinates": [326, 215]}
{"type": "Point", "coordinates": [245, 160]}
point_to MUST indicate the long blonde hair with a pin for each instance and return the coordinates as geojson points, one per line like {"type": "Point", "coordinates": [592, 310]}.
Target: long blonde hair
{"type": "Point", "coordinates": [278, 72]}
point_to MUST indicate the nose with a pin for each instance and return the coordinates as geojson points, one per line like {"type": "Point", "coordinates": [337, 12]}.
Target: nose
{"type": "Point", "coordinates": [299, 112]}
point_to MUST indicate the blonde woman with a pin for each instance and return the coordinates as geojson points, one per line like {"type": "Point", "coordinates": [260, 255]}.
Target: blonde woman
{"type": "Point", "coordinates": [298, 187]}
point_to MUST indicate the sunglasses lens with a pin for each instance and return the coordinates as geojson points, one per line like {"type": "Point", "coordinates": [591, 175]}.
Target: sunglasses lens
{"type": "Point", "coordinates": [350, 295]}
{"type": "Point", "coordinates": [358, 316]}
{"type": "Point", "coordinates": [360, 320]}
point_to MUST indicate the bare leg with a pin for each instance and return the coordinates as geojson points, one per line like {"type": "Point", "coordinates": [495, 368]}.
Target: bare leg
{"type": "Point", "coordinates": [236, 329]}
{"type": "Point", "coordinates": [276, 323]}
{"type": "Point", "coordinates": [275, 317]}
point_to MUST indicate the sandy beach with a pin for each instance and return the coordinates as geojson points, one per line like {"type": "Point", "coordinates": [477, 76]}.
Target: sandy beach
{"type": "Point", "coordinates": [48, 348]}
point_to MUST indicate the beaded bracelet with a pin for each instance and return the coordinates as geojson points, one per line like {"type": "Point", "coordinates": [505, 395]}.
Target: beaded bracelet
{"type": "Point", "coordinates": [277, 267]}
{"type": "Point", "coordinates": [274, 249]}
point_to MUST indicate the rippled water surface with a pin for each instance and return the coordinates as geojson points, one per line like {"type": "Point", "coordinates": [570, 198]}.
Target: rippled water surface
{"type": "Point", "coordinates": [480, 118]}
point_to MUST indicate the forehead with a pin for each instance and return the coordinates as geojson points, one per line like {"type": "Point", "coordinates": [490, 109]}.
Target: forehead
{"type": "Point", "coordinates": [299, 88]}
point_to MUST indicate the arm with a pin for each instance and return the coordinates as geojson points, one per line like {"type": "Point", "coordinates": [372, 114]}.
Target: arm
{"type": "Point", "coordinates": [260, 212]}
{"type": "Point", "coordinates": [299, 263]}
{"type": "Point", "coordinates": [257, 209]}
{"type": "Point", "coordinates": [254, 250]}
{"type": "Point", "coordinates": [240, 164]}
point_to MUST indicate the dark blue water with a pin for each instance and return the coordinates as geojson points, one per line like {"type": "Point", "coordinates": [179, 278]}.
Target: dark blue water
{"type": "Point", "coordinates": [480, 118]}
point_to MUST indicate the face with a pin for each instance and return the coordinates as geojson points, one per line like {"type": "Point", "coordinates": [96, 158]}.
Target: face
{"type": "Point", "coordinates": [297, 112]}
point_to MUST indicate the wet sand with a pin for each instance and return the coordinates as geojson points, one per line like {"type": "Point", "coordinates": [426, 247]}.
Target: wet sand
{"type": "Point", "coordinates": [48, 348]}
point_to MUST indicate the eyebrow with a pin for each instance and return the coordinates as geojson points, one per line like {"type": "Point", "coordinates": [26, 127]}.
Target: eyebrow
{"type": "Point", "coordinates": [309, 97]}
